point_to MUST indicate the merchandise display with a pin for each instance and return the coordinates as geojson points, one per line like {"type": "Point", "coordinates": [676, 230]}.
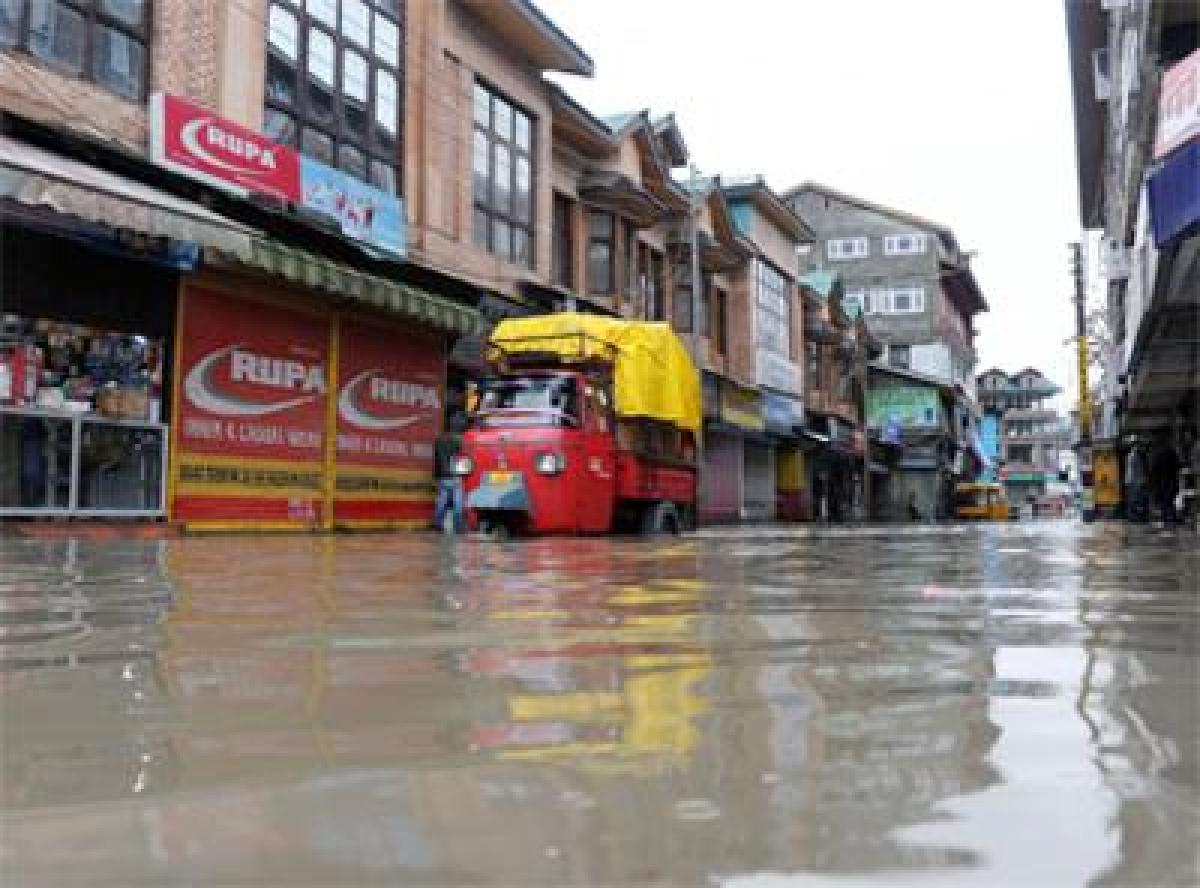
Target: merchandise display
{"type": "Point", "coordinates": [81, 416]}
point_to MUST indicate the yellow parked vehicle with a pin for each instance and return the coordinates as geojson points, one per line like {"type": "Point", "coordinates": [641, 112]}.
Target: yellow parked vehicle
{"type": "Point", "coordinates": [981, 500]}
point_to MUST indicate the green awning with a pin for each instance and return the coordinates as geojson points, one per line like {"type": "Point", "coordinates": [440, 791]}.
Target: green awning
{"type": "Point", "coordinates": [318, 273]}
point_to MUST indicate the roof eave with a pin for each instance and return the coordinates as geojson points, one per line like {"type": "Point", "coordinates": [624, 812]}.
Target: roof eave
{"type": "Point", "coordinates": [1086, 32]}
{"type": "Point", "coordinates": [532, 30]}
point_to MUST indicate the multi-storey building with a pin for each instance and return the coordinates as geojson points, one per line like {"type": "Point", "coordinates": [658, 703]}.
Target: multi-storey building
{"type": "Point", "coordinates": [271, 221]}
{"type": "Point", "coordinates": [913, 283]}
{"type": "Point", "coordinates": [1134, 70]}
{"type": "Point", "coordinates": [1029, 435]}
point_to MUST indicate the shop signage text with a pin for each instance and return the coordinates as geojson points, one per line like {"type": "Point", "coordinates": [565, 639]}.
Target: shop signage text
{"type": "Point", "coordinates": [742, 407]}
{"type": "Point", "coordinates": [1178, 106]}
{"type": "Point", "coordinates": [193, 141]}
{"type": "Point", "coordinates": [782, 414]}
{"type": "Point", "coordinates": [908, 406]}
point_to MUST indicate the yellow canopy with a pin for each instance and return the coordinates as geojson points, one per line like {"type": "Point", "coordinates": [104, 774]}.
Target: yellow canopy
{"type": "Point", "coordinates": [654, 376]}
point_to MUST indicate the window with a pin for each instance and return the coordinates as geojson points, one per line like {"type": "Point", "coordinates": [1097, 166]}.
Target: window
{"type": "Point", "coordinates": [629, 270]}
{"type": "Point", "coordinates": [854, 303]}
{"type": "Point", "coordinates": [656, 295]}
{"type": "Point", "coordinates": [847, 248]}
{"type": "Point", "coordinates": [897, 300]}
{"type": "Point", "coordinates": [99, 40]}
{"type": "Point", "coordinates": [903, 244]}
{"type": "Point", "coordinates": [899, 356]}
{"type": "Point", "coordinates": [502, 165]}
{"type": "Point", "coordinates": [333, 84]}
{"type": "Point", "coordinates": [703, 305]}
{"type": "Point", "coordinates": [601, 273]}
{"type": "Point", "coordinates": [813, 371]}
{"type": "Point", "coordinates": [718, 321]}
{"type": "Point", "coordinates": [774, 315]}
{"type": "Point", "coordinates": [562, 256]}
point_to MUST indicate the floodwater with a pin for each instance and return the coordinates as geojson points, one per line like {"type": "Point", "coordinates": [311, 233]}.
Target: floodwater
{"type": "Point", "coordinates": [1003, 705]}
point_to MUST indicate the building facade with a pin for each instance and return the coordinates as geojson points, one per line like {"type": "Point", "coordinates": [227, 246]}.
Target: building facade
{"type": "Point", "coordinates": [913, 284]}
{"type": "Point", "coordinates": [1031, 436]}
{"type": "Point", "coordinates": [1134, 69]}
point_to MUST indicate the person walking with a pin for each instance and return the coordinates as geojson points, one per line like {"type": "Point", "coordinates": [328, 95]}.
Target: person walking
{"type": "Point", "coordinates": [448, 513]}
{"type": "Point", "coordinates": [1164, 477]}
{"type": "Point", "coordinates": [1135, 483]}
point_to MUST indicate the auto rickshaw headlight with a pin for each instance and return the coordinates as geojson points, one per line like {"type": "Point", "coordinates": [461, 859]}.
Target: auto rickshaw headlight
{"type": "Point", "coordinates": [462, 466]}
{"type": "Point", "coordinates": [549, 463]}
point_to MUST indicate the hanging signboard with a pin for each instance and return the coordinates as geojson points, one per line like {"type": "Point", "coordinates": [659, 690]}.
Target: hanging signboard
{"type": "Point", "coordinates": [1178, 106]}
{"type": "Point", "coordinates": [363, 212]}
{"type": "Point", "coordinates": [742, 407]}
{"type": "Point", "coordinates": [251, 406]}
{"type": "Point", "coordinates": [194, 142]}
{"type": "Point", "coordinates": [389, 413]}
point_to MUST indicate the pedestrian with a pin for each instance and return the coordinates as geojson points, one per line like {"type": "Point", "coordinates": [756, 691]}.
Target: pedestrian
{"type": "Point", "coordinates": [448, 513]}
{"type": "Point", "coordinates": [1135, 482]}
{"type": "Point", "coordinates": [914, 513]}
{"type": "Point", "coordinates": [1164, 477]}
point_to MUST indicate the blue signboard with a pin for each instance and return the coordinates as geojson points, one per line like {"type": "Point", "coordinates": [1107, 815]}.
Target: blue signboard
{"type": "Point", "coordinates": [783, 415]}
{"type": "Point", "coordinates": [1175, 195]}
{"type": "Point", "coordinates": [363, 212]}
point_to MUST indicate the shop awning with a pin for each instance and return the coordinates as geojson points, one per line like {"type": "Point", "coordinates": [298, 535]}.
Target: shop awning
{"type": "Point", "coordinates": [38, 178]}
{"type": "Point", "coordinates": [307, 269]}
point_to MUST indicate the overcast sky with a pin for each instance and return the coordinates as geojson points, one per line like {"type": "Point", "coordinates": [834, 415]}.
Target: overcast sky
{"type": "Point", "coordinates": [959, 112]}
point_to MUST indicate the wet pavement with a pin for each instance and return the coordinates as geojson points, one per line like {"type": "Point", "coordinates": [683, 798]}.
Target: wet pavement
{"type": "Point", "coordinates": [1007, 705]}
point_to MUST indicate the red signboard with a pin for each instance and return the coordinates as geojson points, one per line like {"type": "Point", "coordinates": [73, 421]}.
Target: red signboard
{"type": "Point", "coordinates": [389, 412]}
{"type": "Point", "coordinates": [251, 410]}
{"type": "Point", "coordinates": [1178, 106]}
{"type": "Point", "coordinates": [195, 142]}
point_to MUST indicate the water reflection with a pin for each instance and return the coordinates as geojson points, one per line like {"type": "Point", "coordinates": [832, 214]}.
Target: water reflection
{"type": "Point", "coordinates": [893, 707]}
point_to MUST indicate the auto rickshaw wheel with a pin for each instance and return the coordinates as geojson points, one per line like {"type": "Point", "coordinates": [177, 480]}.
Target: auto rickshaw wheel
{"type": "Point", "coordinates": [661, 519]}
{"type": "Point", "coordinates": [494, 529]}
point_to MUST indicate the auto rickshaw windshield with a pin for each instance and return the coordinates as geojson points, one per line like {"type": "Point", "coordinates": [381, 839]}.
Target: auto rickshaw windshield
{"type": "Point", "coordinates": [535, 400]}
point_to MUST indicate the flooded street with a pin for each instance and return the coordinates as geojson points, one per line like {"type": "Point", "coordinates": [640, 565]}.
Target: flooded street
{"type": "Point", "coordinates": [1007, 705]}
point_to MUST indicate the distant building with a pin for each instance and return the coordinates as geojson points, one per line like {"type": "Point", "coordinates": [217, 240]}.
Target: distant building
{"type": "Point", "coordinates": [913, 283]}
{"type": "Point", "coordinates": [1030, 435]}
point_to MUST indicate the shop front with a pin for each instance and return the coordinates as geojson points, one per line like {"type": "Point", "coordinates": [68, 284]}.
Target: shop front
{"type": "Point", "coordinates": [784, 420]}
{"type": "Point", "coordinates": [742, 411]}
{"type": "Point", "coordinates": [294, 415]}
{"type": "Point", "coordinates": [160, 361]}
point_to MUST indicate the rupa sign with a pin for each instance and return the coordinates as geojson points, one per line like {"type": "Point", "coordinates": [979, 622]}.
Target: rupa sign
{"type": "Point", "coordinates": [193, 141]}
{"type": "Point", "coordinates": [1178, 106]}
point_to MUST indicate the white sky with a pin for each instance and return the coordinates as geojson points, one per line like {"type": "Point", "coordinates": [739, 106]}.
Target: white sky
{"type": "Point", "coordinates": [956, 111]}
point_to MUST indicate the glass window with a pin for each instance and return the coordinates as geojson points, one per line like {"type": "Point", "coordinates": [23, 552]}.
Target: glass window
{"type": "Point", "coordinates": [354, 76]}
{"type": "Point", "coordinates": [345, 100]}
{"type": "Point", "coordinates": [321, 56]}
{"type": "Point", "coordinates": [278, 126]}
{"type": "Point", "coordinates": [502, 178]}
{"type": "Point", "coordinates": [118, 62]}
{"type": "Point", "coordinates": [353, 161]}
{"type": "Point", "coordinates": [563, 248]}
{"type": "Point", "coordinates": [57, 34]}
{"type": "Point", "coordinates": [317, 145]}
{"type": "Point", "coordinates": [324, 11]}
{"type": "Point", "coordinates": [387, 41]}
{"type": "Point", "coordinates": [521, 131]}
{"type": "Point", "coordinates": [356, 22]}
{"type": "Point", "coordinates": [601, 253]}
{"type": "Point", "coordinates": [101, 40]}
{"type": "Point", "coordinates": [127, 12]}
{"type": "Point", "coordinates": [10, 22]}
{"type": "Point", "coordinates": [283, 32]}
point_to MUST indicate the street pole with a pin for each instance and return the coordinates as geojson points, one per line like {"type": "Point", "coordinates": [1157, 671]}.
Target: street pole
{"type": "Point", "coordinates": [1084, 444]}
{"type": "Point", "coordinates": [863, 381]}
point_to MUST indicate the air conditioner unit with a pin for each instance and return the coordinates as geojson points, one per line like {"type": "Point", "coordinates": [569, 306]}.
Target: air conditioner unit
{"type": "Point", "coordinates": [1111, 5]}
{"type": "Point", "coordinates": [1114, 259]}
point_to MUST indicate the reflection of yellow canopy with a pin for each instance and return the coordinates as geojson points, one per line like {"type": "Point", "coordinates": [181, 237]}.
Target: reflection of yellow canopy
{"type": "Point", "coordinates": [654, 375]}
